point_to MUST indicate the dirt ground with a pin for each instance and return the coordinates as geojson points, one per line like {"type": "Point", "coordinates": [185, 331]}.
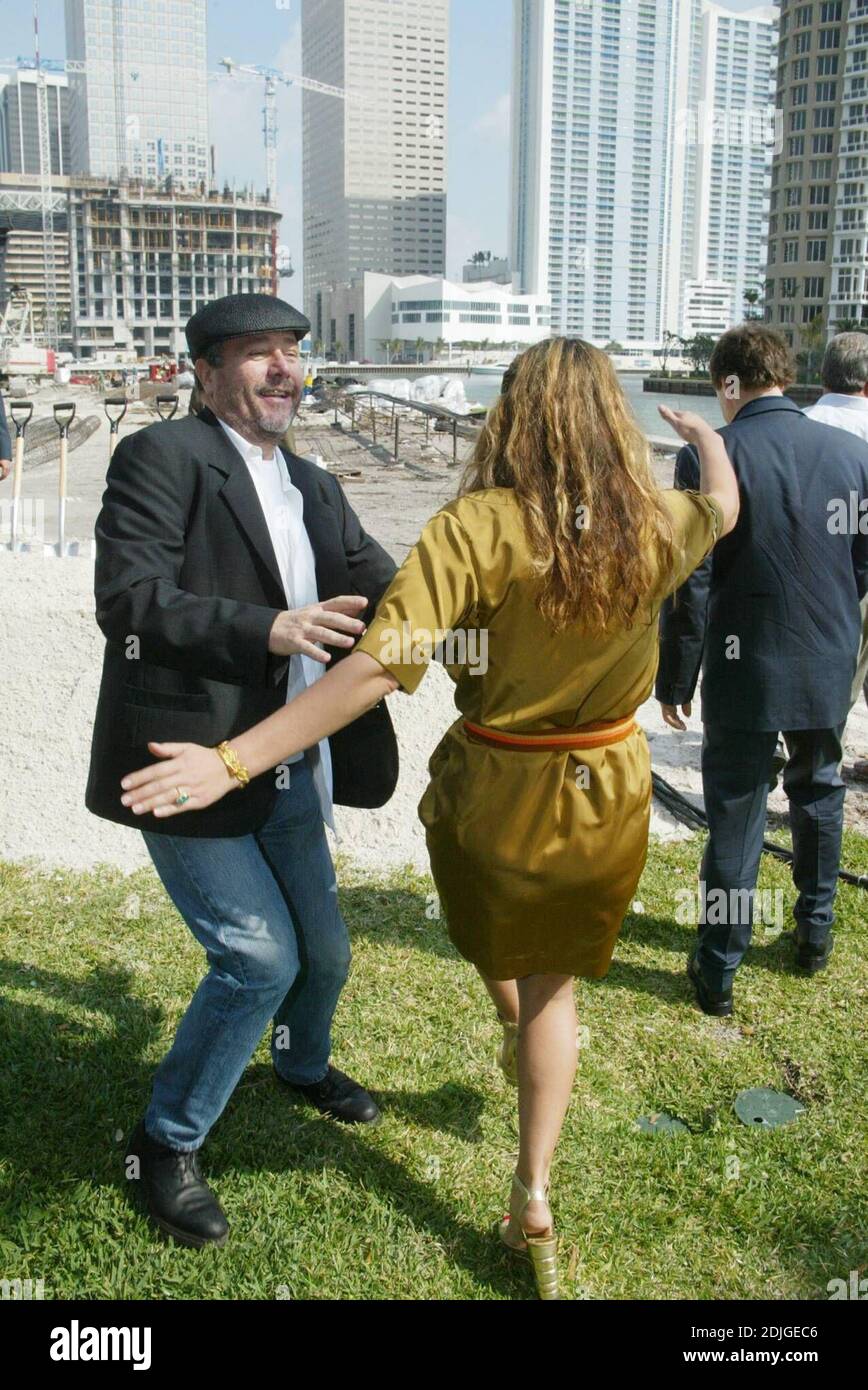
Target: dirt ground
{"type": "Point", "coordinates": [394, 497]}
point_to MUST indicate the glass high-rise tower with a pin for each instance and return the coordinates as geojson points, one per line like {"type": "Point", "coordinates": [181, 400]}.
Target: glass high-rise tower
{"type": "Point", "coordinates": [622, 194]}
{"type": "Point", "coordinates": [374, 164]}
{"type": "Point", "coordinates": [141, 102]}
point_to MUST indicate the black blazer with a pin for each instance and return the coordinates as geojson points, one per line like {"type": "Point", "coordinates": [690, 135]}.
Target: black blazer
{"type": "Point", "coordinates": [782, 582]}
{"type": "Point", "coordinates": [187, 589]}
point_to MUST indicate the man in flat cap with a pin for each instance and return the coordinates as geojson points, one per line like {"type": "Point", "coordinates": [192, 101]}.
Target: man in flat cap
{"type": "Point", "coordinates": [229, 575]}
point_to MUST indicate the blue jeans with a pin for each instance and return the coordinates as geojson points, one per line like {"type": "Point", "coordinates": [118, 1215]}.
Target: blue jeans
{"type": "Point", "coordinates": [735, 782]}
{"type": "Point", "coordinates": [265, 909]}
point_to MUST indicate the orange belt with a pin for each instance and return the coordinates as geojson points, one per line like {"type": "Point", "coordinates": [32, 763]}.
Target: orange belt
{"type": "Point", "coordinates": [597, 735]}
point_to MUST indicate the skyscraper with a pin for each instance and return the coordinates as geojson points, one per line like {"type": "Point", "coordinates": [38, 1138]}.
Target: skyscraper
{"type": "Point", "coordinates": [621, 196]}
{"type": "Point", "coordinates": [374, 164]}
{"type": "Point", "coordinates": [816, 281]}
{"type": "Point", "coordinates": [736, 133]}
{"type": "Point", "coordinates": [19, 122]}
{"type": "Point", "coordinates": [141, 101]}
{"type": "Point", "coordinates": [598, 176]}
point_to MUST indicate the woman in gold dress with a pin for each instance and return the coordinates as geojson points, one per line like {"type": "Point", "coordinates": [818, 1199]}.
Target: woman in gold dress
{"type": "Point", "coordinates": [541, 586]}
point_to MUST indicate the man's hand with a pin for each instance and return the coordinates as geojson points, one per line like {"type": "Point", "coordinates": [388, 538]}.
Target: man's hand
{"type": "Point", "coordinates": [670, 715]}
{"type": "Point", "coordinates": [5, 465]}
{"type": "Point", "coordinates": [296, 631]}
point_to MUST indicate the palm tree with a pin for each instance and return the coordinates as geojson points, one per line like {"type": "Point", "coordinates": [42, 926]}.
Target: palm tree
{"type": "Point", "coordinates": [439, 347]}
{"type": "Point", "coordinates": [669, 341]}
{"type": "Point", "coordinates": [421, 345]}
{"type": "Point", "coordinates": [318, 347]}
{"type": "Point", "coordinates": [751, 299]}
{"type": "Point", "coordinates": [338, 351]}
{"type": "Point", "coordinates": [397, 346]}
{"type": "Point", "coordinates": [813, 339]}
{"type": "Point", "coordinates": [386, 345]}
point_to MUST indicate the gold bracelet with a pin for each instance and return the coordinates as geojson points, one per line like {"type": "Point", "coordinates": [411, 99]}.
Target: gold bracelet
{"type": "Point", "coordinates": [234, 766]}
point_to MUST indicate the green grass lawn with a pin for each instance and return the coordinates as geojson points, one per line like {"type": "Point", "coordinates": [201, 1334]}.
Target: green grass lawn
{"type": "Point", "coordinates": [97, 969]}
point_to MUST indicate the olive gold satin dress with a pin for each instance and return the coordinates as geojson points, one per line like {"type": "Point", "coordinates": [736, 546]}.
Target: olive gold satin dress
{"type": "Point", "coordinates": [535, 854]}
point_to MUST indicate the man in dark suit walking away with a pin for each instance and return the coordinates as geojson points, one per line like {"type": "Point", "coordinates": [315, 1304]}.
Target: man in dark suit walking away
{"type": "Point", "coordinates": [773, 619]}
{"type": "Point", "coordinates": [224, 563]}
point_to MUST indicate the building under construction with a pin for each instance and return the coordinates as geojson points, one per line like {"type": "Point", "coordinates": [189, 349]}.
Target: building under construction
{"type": "Point", "coordinates": [143, 258]}
{"type": "Point", "coordinates": [133, 259]}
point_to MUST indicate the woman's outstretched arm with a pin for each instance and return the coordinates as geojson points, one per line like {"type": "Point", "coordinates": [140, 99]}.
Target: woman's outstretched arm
{"type": "Point", "coordinates": [434, 590]}
{"type": "Point", "coordinates": [355, 686]}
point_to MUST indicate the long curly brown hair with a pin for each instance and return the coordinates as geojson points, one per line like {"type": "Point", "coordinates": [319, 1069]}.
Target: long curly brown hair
{"type": "Point", "coordinates": [563, 437]}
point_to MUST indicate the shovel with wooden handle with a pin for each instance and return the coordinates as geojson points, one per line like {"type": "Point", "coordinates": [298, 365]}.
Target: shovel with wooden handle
{"type": "Point", "coordinates": [116, 404]}
{"type": "Point", "coordinates": [166, 406]}
{"type": "Point", "coordinates": [19, 413]}
{"type": "Point", "coordinates": [64, 414]}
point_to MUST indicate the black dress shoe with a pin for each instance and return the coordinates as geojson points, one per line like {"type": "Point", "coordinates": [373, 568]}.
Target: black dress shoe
{"type": "Point", "coordinates": [338, 1095]}
{"type": "Point", "coordinates": [717, 1005]}
{"type": "Point", "coordinates": [176, 1195]}
{"type": "Point", "coordinates": [812, 958]}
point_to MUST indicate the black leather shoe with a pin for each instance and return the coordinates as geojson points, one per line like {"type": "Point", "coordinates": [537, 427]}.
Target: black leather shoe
{"type": "Point", "coordinates": [176, 1195]}
{"type": "Point", "coordinates": [717, 1005]}
{"type": "Point", "coordinates": [338, 1095]}
{"type": "Point", "coordinates": [812, 958]}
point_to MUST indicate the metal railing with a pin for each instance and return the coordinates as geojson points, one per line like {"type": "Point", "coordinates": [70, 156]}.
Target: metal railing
{"type": "Point", "coordinates": [462, 425]}
{"type": "Point", "coordinates": [468, 427]}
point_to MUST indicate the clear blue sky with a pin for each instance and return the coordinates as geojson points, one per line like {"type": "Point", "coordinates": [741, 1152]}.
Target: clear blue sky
{"type": "Point", "coordinates": [267, 32]}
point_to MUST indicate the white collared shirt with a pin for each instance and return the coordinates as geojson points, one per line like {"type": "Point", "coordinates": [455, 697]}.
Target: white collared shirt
{"type": "Point", "coordinates": [283, 507]}
{"type": "Point", "coordinates": [843, 411]}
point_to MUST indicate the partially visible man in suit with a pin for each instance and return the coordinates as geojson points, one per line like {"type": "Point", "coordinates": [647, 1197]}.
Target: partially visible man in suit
{"type": "Point", "coordinates": [223, 565]}
{"type": "Point", "coordinates": [5, 443]}
{"type": "Point", "coordinates": [773, 619]}
{"type": "Point", "coordinates": [845, 405]}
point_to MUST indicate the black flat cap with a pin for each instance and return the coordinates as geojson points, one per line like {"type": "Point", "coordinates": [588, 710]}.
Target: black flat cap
{"type": "Point", "coordinates": [237, 315]}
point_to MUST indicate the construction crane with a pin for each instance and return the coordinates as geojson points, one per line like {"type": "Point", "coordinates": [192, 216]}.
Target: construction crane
{"type": "Point", "coordinates": [20, 353]}
{"type": "Point", "coordinates": [46, 192]}
{"type": "Point", "coordinates": [49, 264]}
{"type": "Point", "coordinates": [49, 324]}
{"type": "Point", "coordinates": [271, 77]}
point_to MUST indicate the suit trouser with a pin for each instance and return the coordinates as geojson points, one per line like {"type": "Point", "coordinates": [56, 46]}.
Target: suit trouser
{"type": "Point", "coordinates": [265, 909]}
{"type": "Point", "coordinates": [735, 781]}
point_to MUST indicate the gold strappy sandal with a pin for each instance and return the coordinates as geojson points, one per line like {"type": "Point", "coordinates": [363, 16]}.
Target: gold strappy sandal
{"type": "Point", "coordinates": [507, 1052]}
{"type": "Point", "coordinates": [541, 1249]}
